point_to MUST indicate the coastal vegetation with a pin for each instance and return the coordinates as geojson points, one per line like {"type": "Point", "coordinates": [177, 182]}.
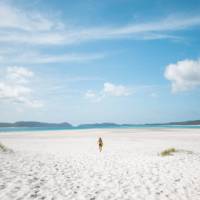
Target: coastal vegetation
{"type": "Point", "coordinates": [171, 151]}
{"type": "Point", "coordinates": [168, 152]}
{"type": "Point", "coordinates": [5, 149]}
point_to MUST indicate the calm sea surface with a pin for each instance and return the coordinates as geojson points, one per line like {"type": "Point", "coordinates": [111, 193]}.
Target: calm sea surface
{"type": "Point", "coordinates": [16, 129]}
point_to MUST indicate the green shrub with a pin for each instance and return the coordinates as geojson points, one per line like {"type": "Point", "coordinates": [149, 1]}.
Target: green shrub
{"type": "Point", "coordinates": [168, 152]}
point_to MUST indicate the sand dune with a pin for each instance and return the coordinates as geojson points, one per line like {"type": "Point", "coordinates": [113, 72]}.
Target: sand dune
{"type": "Point", "coordinates": [67, 165]}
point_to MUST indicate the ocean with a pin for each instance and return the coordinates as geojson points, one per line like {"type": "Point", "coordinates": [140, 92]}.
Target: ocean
{"type": "Point", "coordinates": [19, 129]}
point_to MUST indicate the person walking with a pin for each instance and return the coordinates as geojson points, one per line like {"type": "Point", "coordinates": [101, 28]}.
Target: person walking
{"type": "Point", "coordinates": [100, 143]}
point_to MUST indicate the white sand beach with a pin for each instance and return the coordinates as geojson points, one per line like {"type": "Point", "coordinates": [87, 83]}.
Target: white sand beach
{"type": "Point", "coordinates": [66, 165]}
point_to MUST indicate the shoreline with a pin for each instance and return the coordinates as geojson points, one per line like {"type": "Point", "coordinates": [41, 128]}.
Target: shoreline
{"type": "Point", "coordinates": [137, 127]}
{"type": "Point", "coordinates": [101, 130]}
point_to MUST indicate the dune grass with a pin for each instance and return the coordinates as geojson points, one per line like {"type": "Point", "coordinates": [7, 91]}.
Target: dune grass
{"type": "Point", "coordinates": [168, 152]}
{"type": "Point", "coordinates": [4, 149]}
{"type": "Point", "coordinates": [171, 151]}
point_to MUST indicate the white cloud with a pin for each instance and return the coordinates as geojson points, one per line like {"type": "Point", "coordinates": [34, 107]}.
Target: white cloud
{"type": "Point", "coordinates": [9, 91]}
{"type": "Point", "coordinates": [109, 89]}
{"type": "Point", "coordinates": [90, 94]}
{"type": "Point", "coordinates": [184, 75]}
{"type": "Point", "coordinates": [16, 18]}
{"type": "Point", "coordinates": [28, 27]}
{"type": "Point", "coordinates": [19, 74]}
{"type": "Point", "coordinates": [15, 89]}
{"type": "Point", "coordinates": [20, 28]}
{"type": "Point", "coordinates": [115, 90]}
{"type": "Point", "coordinates": [33, 57]}
{"type": "Point", "coordinates": [94, 96]}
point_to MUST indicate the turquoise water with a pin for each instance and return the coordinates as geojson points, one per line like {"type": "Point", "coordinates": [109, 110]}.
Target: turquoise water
{"type": "Point", "coordinates": [16, 129]}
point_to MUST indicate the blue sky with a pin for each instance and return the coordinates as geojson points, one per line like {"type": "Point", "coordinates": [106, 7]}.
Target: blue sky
{"type": "Point", "coordinates": [123, 61]}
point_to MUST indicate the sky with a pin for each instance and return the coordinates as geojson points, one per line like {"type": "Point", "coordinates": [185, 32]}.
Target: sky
{"type": "Point", "coordinates": [122, 61]}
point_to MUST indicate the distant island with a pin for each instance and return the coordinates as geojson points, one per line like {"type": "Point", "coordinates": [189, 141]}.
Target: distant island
{"type": "Point", "coordinates": [36, 124]}
{"type": "Point", "coordinates": [191, 122]}
{"type": "Point", "coordinates": [92, 125]}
